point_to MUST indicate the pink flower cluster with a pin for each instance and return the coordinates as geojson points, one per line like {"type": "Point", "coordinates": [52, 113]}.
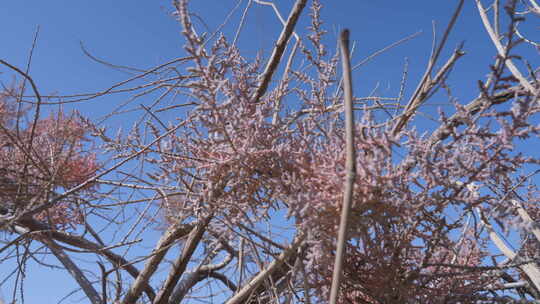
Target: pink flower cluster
{"type": "Point", "coordinates": [38, 159]}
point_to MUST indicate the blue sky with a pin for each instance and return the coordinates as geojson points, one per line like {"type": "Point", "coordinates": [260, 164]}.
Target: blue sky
{"type": "Point", "coordinates": [143, 34]}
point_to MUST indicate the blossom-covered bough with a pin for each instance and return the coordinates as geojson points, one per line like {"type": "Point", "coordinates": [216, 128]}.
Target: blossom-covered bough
{"type": "Point", "coordinates": [237, 198]}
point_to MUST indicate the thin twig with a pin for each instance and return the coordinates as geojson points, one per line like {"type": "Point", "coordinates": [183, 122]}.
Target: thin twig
{"type": "Point", "coordinates": [386, 48]}
{"type": "Point", "coordinates": [108, 64]}
{"type": "Point", "coordinates": [242, 22]}
{"type": "Point", "coordinates": [23, 86]}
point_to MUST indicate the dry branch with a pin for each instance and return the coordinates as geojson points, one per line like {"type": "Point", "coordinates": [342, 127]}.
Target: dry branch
{"type": "Point", "coordinates": [244, 292]}
{"type": "Point", "coordinates": [530, 269]}
{"type": "Point", "coordinates": [182, 261]}
{"type": "Point", "coordinates": [278, 50]}
{"type": "Point", "coordinates": [425, 84]}
{"type": "Point", "coordinates": [350, 166]}
{"type": "Point", "coordinates": [502, 51]}
{"type": "Point", "coordinates": [35, 227]}
{"type": "Point", "coordinates": [174, 233]}
{"type": "Point", "coordinates": [75, 272]}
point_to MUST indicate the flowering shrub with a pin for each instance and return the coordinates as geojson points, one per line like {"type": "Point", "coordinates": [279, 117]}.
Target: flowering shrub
{"type": "Point", "coordinates": [249, 182]}
{"type": "Point", "coordinates": [41, 158]}
{"type": "Point", "coordinates": [235, 158]}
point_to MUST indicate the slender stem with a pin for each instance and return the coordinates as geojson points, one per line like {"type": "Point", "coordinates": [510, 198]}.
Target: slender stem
{"type": "Point", "coordinates": [350, 166]}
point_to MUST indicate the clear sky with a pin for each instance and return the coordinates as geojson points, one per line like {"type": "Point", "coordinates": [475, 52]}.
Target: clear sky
{"type": "Point", "coordinates": [143, 34]}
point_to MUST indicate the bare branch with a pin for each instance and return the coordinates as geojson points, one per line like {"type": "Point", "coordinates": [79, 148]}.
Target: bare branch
{"type": "Point", "coordinates": [181, 262]}
{"type": "Point", "coordinates": [75, 272]}
{"type": "Point", "coordinates": [350, 166]}
{"type": "Point", "coordinates": [502, 52]}
{"type": "Point", "coordinates": [277, 53]}
{"type": "Point", "coordinates": [415, 100]}
{"type": "Point", "coordinates": [531, 269]}
{"type": "Point", "coordinates": [172, 234]}
{"type": "Point", "coordinates": [256, 281]}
